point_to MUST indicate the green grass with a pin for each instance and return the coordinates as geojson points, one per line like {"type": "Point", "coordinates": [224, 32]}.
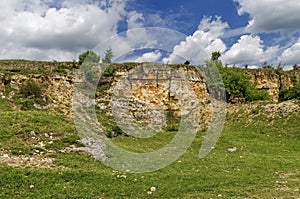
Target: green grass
{"type": "Point", "coordinates": [266, 164]}
{"type": "Point", "coordinates": [16, 128]}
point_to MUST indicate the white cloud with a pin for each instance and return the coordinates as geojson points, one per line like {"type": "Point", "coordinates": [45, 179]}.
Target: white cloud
{"type": "Point", "coordinates": [290, 56]}
{"type": "Point", "coordinates": [150, 57]}
{"type": "Point", "coordinates": [34, 30]}
{"type": "Point", "coordinates": [271, 15]}
{"type": "Point", "coordinates": [198, 47]}
{"type": "Point", "coordinates": [249, 50]}
{"type": "Point", "coordinates": [135, 20]}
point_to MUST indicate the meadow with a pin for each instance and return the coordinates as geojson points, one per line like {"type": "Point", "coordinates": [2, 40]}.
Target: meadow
{"type": "Point", "coordinates": [264, 164]}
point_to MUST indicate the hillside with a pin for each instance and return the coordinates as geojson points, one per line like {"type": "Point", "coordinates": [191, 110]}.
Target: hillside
{"type": "Point", "coordinates": [257, 155]}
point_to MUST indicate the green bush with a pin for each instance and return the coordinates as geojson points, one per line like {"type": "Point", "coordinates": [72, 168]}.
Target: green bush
{"type": "Point", "coordinates": [109, 70]}
{"type": "Point", "coordinates": [117, 130]}
{"type": "Point", "coordinates": [236, 83]}
{"type": "Point", "coordinates": [173, 122]}
{"type": "Point", "coordinates": [88, 57]}
{"type": "Point", "coordinates": [291, 93]}
{"type": "Point", "coordinates": [253, 94]}
{"type": "Point", "coordinates": [31, 88]}
{"type": "Point", "coordinates": [27, 103]}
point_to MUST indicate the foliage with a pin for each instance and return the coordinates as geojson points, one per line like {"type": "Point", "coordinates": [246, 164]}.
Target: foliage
{"type": "Point", "coordinates": [88, 57]}
{"type": "Point", "coordinates": [292, 92]}
{"type": "Point", "coordinates": [213, 79]}
{"type": "Point", "coordinates": [254, 94]}
{"type": "Point", "coordinates": [294, 80]}
{"type": "Point", "coordinates": [215, 56]}
{"type": "Point", "coordinates": [108, 56]}
{"type": "Point", "coordinates": [235, 81]}
{"type": "Point", "coordinates": [116, 130]}
{"type": "Point", "coordinates": [109, 70]}
{"type": "Point", "coordinates": [31, 88]}
{"type": "Point", "coordinates": [296, 67]}
{"type": "Point", "coordinates": [265, 165]}
{"type": "Point", "coordinates": [237, 85]}
{"type": "Point", "coordinates": [27, 103]}
{"type": "Point", "coordinates": [187, 62]}
{"type": "Point", "coordinates": [173, 121]}
{"type": "Point", "coordinates": [60, 70]}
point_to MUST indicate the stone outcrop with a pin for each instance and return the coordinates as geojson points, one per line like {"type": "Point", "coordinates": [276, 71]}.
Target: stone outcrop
{"type": "Point", "coordinates": [157, 92]}
{"type": "Point", "coordinates": [271, 81]}
{"type": "Point", "coordinates": [144, 96]}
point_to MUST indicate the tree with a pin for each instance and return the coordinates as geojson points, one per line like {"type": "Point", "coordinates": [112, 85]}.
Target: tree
{"type": "Point", "coordinates": [236, 83]}
{"type": "Point", "coordinates": [88, 56]}
{"type": "Point", "coordinates": [187, 62]}
{"type": "Point", "coordinates": [266, 65]}
{"type": "Point", "coordinates": [108, 56]}
{"type": "Point", "coordinates": [215, 56]}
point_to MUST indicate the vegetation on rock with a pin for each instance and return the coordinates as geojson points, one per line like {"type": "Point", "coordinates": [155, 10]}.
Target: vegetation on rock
{"type": "Point", "coordinates": [88, 57]}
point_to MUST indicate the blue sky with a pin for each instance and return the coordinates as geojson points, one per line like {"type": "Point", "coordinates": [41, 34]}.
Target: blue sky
{"type": "Point", "coordinates": [244, 31]}
{"type": "Point", "coordinates": [188, 14]}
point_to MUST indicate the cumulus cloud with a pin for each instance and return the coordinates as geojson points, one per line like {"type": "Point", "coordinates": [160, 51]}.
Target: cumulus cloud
{"type": "Point", "coordinates": [150, 57]}
{"type": "Point", "coordinates": [249, 49]}
{"type": "Point", "coordinates": [36, 29]}
{"type": "Point", "coordinates": [271, 15]}
{"type": "Point", "coordinates": [198, 47]}
{"type": "Point", "coordinates": [290, 56]}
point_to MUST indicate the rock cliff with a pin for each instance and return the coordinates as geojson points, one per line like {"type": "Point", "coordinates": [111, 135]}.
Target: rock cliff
{"type": "Point", "coordinates": [57, 80]}
{"type": "Point", "coordinates": [272, 81]}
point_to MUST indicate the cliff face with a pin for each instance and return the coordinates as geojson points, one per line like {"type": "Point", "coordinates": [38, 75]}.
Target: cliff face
{"type": "Point", "coordinates": [146, 94]}
{"type": "Point", "coordinates": [57, 80]}
{"type": "Point", "coordinates": [271, 81]}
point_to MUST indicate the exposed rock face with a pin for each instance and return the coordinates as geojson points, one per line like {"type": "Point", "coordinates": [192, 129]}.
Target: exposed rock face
{"type": "Point", "coordinates": [60, 90]}
{"type": "Point", "coordinates": [156, 93]}
{"type": "Point", "coordinates": [144, 96]}
{"type": "Point", "coordinates": [271, 81]}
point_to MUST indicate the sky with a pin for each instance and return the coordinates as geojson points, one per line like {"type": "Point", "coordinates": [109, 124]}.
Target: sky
{"type": "Point", "coordinates": [169, 31]}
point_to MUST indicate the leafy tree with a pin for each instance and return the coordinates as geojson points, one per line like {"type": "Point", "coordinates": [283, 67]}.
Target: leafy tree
{"type": "Point", "coordinates": [187, 62]}
{"type": "Point", "coordinates": [215, 56]}
{"type": "Point", "coordinates": [296, 67]}
{"type": "Point", "coordinates": [266, 65]}
{"type": "Point", "coordinates": [108, 56]}
{"type": "Point", "coordinates": [236, 83]}
{"type": "Point", "coordinates": [89, 57]}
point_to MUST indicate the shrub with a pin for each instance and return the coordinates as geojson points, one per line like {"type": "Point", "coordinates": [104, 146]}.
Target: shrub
{"type": "Point", "coordinates": [109, 70]}
{"type": "Point", "coordinates": [173, 121]}
{"type": "Point", "coordinates": [291, 93]}
{"type": "Point", "coordinates": [253, 94]}
{"type": "Point", "coordinates": [31, 88]}
{"type": "Point", "coordinates": [117, 130]}
{"type": "Point", "coordinates": [27, 103]}
{"type": "Point", "coordinates": [89, 57]}
{"type": "Point", "coordinates": [237, 84]}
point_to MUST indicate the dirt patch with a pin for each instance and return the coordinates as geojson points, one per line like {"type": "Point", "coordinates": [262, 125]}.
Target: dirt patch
{"type": "Point", "coordinates": [27, 161]}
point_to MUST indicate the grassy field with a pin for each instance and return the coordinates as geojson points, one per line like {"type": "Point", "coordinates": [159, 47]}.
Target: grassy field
{"type": "Point", "coordinates": [266, 163]}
